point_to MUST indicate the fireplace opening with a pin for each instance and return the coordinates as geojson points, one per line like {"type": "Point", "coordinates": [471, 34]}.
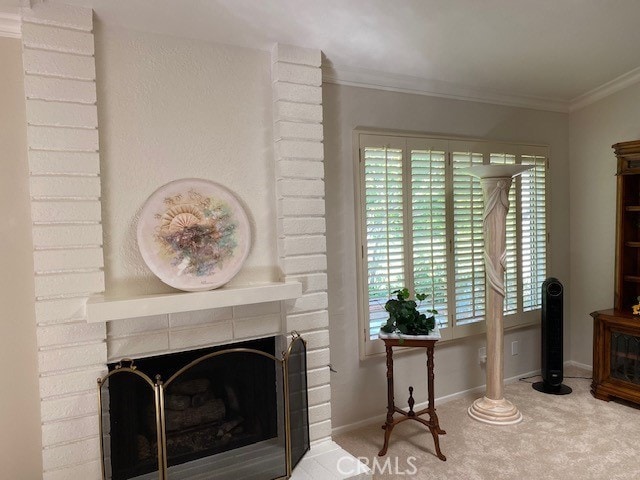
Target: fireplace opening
{"type": "Point", "coordinates": [208, 413]}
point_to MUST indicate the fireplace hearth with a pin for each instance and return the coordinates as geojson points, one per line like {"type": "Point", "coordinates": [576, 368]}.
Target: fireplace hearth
{"type": "Point", "coordinates": [216, 405]}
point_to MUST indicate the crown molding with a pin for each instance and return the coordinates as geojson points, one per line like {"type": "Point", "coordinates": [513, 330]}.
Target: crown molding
{"type": "Point", "coordinates": [623, 81]}
{"type": "Point", "coordinates": [10, 25]}
{"type": "Point", "coordinates": [358, 77]}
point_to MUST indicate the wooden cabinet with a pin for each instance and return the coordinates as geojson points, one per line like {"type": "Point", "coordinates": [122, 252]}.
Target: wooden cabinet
{"type": "Point", "coordinates": [616, 332]}
{"type": "Point", "coordinates": [616, 356]}
{"type": "Point", "coordinates": [627, 276]}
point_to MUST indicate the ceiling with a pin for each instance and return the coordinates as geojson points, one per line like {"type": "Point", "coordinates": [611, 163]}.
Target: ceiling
{"type": "Point", "coordinates": [542, 50]}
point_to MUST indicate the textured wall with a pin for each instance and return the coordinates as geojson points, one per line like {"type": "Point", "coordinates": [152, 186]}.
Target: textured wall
{"type": "Point", "coordinates": [172, 108]}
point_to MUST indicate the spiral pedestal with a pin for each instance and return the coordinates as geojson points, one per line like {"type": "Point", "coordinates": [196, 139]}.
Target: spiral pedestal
{"type": "Point", "coordinates": [496, 180]}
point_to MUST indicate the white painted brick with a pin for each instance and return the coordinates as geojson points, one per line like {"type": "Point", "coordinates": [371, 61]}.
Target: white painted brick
{"type": "Point", "coordinates": [305, 245]}
{"type": "Point", "coordinates": [70, 430]}
{"type": "Point", "coordinates": [60, 311]}
{"type": "Point", "coordinates": [65, 139]}
{"type": "Point", "coordinates": [307, 321]}
{"type": "Point", "coordinates": [69, 283]}
{"type": "Point", "coordinates": [55, 64]}
{"type": "Point", "coordinates": [319, 413]}
{"type": "Point", "coordinates": [257, 326]}
{"type": "Point", "coordinates": [44, 162]}
{"type": "Point", "coordinates": [88, 471]}
{"type": "Point", "coordinates": [256, 309]}
{"type": "Point", "coordinates": [297, 112]}
{"type": "Point", "coordinates": [299, 149]}
{"type": "Point", "coordinates": [319, 395]}
{"type": "Point", "coordinates": [65, 187]}
{"type": "Point", "coordinates": [134, 326]}
{"type": "Point", "coordinates": [66, 407]}
{"type": "Point", "coordinates": [58, 39]}
{"type": "Point", "coordinates": [318, 431]}
{"type": "Point", "coordinates": [318, 358]}
{"type": "Point", "coordinates": [194, 337]}
{"type": "Point", "coordinates": [300, 207]}
{"type": "Point", "coordinates": [61, 89]}
{"type": "Point", "coordinates": [310, 283]}
{"type": "Point", "coordinates": [300, 188]}
{"type": "Point", "coordinates": [70, 333]}
{"type": "Point", "coordinates": [57, 261]}
{"type": "Point", "coordinates": [318, 376]}
{"type": "Point", "coordinates": [305, 264]}
{"type": "Point", "coordinates": [317, 340]}
{"type": "Point", "coordinates": [300, 169]}
{"type": "Point", "coordinates": [70, 454]}
{"type": "Point", "coordinates": [72, 357]}
{"type": "Point", "coordinates": [199, 317]}
{"type": "Point", "coordinates": [46, 236]}
{"type": "Point", "coordinates": [65, 211]}
{"type": "Point", "coordinates": [293, 92]}
{"type": "Point", "coordinates": [66, 383]}
{"type": "Point", "coordinates": [60, 15]}
{"type": "Point", "coordinates": [41, 112]}
{"type": "Point", "coordinates": [303, 226]}
{"type": "Point", "coordinates": [298, 131]}
{"type": "Point", "coordinates": [292, 54]}
{"type": "Point", "coordinates": [137, 345]}
{"type": "Point", "coordinates": [73, 259]}
{"type": "Point", "coordinates": [307, 303]}
{"type": "Point", "coordinates": [292, 73]}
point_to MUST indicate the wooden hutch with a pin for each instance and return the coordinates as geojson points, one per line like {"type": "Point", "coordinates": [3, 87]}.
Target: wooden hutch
{"type": "Point", "coordinates": [616, 332]}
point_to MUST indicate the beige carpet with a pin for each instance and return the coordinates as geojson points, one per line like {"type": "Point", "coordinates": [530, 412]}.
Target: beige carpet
{"type": "Point", "coordinates": [561, 437]}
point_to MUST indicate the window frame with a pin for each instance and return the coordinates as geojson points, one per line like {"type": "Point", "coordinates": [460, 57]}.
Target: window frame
{"type": "Point", "coordinates": [406, 141]}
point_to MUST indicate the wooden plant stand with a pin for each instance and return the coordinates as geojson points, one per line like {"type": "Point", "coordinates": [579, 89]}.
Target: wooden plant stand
{"type": "Point", "coordinates": [432, 424]}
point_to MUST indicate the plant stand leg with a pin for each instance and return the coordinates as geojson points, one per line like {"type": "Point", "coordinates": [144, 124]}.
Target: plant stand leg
{"type": "Point", "coordinates": [388, 426]}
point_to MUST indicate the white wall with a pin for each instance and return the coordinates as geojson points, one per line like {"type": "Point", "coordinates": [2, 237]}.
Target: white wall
{"type": "Point", "coordinates": [358, 389]}
{"type": "Point", "coordinates": [19, 400]}
{"type": "Point", "coordinates": [593, 130]}
{"type": "Point", "coordinates": [172, 108]}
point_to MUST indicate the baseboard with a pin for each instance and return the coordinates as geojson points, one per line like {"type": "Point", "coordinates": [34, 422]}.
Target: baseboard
{"type": "Point", "coordinates": [579, 365]}
{"type": "Point", "coordinates": [418, 406]}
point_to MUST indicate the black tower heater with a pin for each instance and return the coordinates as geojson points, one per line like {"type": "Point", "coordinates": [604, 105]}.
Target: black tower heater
{"type": "Point", "coordinates": [552, 295]}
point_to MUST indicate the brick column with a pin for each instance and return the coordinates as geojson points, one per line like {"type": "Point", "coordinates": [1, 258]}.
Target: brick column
{"type": "Point", "coordinates": [299, 151]}
{"type": "Point", "coordinates": [58, 56]}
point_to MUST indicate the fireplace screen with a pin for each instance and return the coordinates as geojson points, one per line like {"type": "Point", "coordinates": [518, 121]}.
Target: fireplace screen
{"type": "Point", "coordinates": [224, 413]}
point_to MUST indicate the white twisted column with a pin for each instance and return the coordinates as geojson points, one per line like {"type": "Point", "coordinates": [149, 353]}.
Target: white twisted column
{"type": "Point", "coordinates": [496, 180]}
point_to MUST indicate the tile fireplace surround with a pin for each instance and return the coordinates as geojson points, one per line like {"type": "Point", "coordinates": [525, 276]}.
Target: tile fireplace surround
{"type": "Point", "coordinates": [65, 185]}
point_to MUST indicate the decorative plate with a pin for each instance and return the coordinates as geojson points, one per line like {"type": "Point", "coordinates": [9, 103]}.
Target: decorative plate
{"type": "Point", "coordinates": [193, 234]}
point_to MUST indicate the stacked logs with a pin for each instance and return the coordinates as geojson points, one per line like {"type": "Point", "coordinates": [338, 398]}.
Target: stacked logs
{"type": "Point", "coordinates": [192, 403]}
{"type": "Point", "coordinates": [195, 420]}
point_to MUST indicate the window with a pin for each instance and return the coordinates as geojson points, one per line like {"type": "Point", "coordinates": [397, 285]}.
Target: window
{"type": "Point", "coordinates": [420, 226]}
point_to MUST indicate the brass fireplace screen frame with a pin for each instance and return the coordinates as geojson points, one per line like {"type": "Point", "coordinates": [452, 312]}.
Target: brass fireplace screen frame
{"type": "Point", "coordinates": [159, 388]}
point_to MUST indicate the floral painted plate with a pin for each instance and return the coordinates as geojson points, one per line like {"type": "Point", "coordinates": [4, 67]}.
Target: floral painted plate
{"type": "Point", "coordinates": [193, 234]}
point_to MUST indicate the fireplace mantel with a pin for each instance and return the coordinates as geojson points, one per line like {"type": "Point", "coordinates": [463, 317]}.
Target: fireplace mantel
{"type": "Point", "coordinates": [101, 308]}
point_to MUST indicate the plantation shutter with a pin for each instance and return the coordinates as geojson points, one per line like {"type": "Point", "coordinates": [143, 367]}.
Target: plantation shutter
{"type": "Point", "coordinates": [429, 227]}
{"type": "Point", "coordinates": [421, 227]}
{"type": "Point", "coordinates": [534, 231]}
{"type": "Point", "coordinates": [511, 264]}
{"type": "Point", "coordinates": [384, 225]}
{"type": "Point", "coordinates": [468, 242]}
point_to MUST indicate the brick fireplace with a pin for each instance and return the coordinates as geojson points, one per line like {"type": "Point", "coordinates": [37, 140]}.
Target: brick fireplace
{"type": "Point", "coordinates": [68, 231]}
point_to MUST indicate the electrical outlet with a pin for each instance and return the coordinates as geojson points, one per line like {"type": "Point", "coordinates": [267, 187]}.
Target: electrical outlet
{"type": "Point", "coordinates": [514, 347]}
{"type": "Point", "coordinates": [482, 355]}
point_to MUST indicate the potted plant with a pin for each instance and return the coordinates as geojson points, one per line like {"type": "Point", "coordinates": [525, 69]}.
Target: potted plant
{"type": "Point", "coordinates": [404, 317]}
